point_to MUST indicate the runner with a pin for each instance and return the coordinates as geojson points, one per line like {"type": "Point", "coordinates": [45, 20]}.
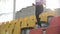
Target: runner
{"type": "Point", "coordinates": [39, 10]}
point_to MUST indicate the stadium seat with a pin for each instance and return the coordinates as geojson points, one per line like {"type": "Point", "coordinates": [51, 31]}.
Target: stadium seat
{"type": "Point", "coordinates": [36, 31]}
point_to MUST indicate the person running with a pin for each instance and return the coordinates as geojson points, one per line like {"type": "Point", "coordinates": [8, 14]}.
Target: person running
{"type": "Point", "coordinates": [39, 10]}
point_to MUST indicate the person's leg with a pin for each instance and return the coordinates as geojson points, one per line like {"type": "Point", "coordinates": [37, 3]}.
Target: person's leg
{"type": "Point", "coordinates": [39, 10]}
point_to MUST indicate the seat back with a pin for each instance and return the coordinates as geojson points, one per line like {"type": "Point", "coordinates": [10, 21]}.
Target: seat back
{"type": "Point", "coordinates": [36, 31]}
{"type": "Point", "coordinates": [54, 27]}
{"type": "Point", "coordinates": [53, 30]}
{"type": "Point", "coordinates": [55, 21]}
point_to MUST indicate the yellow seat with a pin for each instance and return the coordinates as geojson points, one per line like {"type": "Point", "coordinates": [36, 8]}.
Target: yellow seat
{"type": "Point", "coordinates": [17, 28]}
{"type": "Point", "coordinates": [3, 28]}
{"type": "Point", "coordinates": [11, 26]}
{"type": "Point", "coordinates": [44, 16]}
{"type": "Point", "coordinates": [24, 22]}
{"type": "Point", "coordinates": [32, 21]}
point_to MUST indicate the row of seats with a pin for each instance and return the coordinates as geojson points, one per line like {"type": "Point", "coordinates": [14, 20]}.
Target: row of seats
{"type": "Point", "coordinates": [50, 30]}
{"type": "Point", "coordinates": [54, 27]}
{"type": "Point", "coordinates": [15, 26]}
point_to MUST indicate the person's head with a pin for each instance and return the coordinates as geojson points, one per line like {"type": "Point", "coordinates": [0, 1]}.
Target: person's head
{"type": "Point", "coordinates": [40, 2]}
